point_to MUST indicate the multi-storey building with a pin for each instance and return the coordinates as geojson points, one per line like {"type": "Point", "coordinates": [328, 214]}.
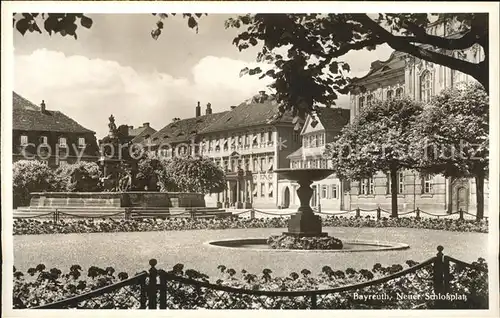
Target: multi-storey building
{"type": "Point", "coordinates": [318, 130]}
{"type": "Point", "coordinates": [406, 75]}
{"type": "Point", "coordinates": [142, 133]}
{"type": "Point", "coordinates": [49, 136]}
{"type": "Point", "coordinates": [245, 141]}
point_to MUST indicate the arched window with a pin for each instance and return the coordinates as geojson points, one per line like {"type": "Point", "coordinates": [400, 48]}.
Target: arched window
{"type": "Point", "coordinates": [361, 102]}
{"type": "Point", "coordinates": [389, 94]}
{"type": "Point", "coordinates": [399, 92]}
{"type": "Point", "coordinates": [369, 99]}
{"type": "Point", "coordinates": [425, 86]}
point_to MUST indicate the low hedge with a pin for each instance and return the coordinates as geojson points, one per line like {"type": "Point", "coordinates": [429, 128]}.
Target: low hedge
{"type": "Point", "coordinates": [34, 226]}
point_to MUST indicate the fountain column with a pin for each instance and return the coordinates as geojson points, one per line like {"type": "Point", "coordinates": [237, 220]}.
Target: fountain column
{"type": "Point", "coordinates": [238, 203]}
{"type": "Point", "coordinates": [305, 222]}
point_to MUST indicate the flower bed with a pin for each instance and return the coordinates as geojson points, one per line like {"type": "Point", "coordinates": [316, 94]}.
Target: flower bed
{"type": "Point", "coordinates": [292, 242]}
{"type": "Point", "coordinates": [42, 286]}
{"type": "Point", "coordinates": [34, 226]}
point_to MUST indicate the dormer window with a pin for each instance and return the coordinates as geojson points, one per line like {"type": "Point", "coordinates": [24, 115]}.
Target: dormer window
{"type": "Point", "coordinates": [24, 140]}
{"type": "Point", "coordinates": [399, 92]}
{"type": "Point", "coordinates": [63, 143]}
{"type": "Point", "coordinates": [44, 140]}
{"type": "Point", "coordinates": [389, 94]}
{"type": "Point", "coordinates": [81, 142]}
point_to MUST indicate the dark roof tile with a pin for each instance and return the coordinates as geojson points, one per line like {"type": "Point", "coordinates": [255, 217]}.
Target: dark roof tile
{"type": "Point", "coordinates": [29, 117]}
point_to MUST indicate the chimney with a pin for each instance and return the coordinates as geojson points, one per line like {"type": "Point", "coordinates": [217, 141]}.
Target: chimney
{"type": "Point", "coordinates": [145, 125]}
{"type": "Point", "coordinates": [262, 93]}
{"type": "Point", "coordinates": [42, 105]}
{"type": "Point", "coordinates": [209, 109]}
{"type": "Point", "coordinates": [198, 110]}
{"type": "Point", "coordinates": [130, 127]}
{"type": "Point", "coordinates": [233, 107]}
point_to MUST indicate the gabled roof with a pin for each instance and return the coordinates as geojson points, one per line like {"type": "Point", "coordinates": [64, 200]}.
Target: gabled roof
{"type": "Point", "coordinates": [141, 133]}
{"type": "Point", "coordinates": [29, 117]}
{"type": "Point", "coordinates": [184, 129]}
{"type": "Point", "coordinates": [330, 118]}
{"type": "Point", "coordinates": [249, 113]}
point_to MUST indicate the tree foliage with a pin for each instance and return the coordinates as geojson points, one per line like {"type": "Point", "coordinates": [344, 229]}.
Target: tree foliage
{"type": "Point", "coordinates": [193, 174]}
{"type": "Point", "coordinates": [305, 50]}
{"type": "Point", "coordinates": [31, 176]}
{"type": "Point", "coordinates": [377, 140]}
{"type": "Point", "coordinates": [81, 176]}
{"type": "Point", "coordinates": [451, 136]}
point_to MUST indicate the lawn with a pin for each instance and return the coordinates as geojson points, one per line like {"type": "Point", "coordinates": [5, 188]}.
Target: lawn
{"type": "Point", "coordinates": [131, 251]}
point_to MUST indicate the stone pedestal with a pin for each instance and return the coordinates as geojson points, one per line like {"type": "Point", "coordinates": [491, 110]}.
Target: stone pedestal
{"type": "Point", "coordinates": [247, 205]}
{"type": "Point", "coordinates": [305, 222]}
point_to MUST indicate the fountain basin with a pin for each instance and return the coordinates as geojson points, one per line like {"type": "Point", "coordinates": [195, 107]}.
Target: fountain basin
{"type": "Point", "coordinates": [350, 246]}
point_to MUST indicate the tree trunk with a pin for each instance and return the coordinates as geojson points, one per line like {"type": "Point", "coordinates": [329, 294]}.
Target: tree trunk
{"type": "Point", "coordinates": [394, 191]}
{"type": "Point", "coordinates": [479, 195]}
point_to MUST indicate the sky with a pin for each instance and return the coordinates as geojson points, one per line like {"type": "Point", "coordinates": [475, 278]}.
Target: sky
{"type": "Point", "coordinates": [117, 68]}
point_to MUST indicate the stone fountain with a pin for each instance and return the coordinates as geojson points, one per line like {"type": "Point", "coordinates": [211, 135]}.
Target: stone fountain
{"type": "Point", "coordinates": [305, 222]}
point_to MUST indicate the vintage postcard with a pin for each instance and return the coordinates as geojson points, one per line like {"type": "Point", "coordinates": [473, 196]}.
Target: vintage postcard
{"type": "Point", "coordinates": [335, 156]}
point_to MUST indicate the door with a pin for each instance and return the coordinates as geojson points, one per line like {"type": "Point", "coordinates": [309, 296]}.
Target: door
{"type": "Point", "coordinates": [462, 199]}
{"type": "Point", "coordinates": [286, 198]}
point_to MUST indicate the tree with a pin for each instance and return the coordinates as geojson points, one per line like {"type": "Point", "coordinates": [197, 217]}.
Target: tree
{"type": "Point", "coordinates": [149, 173]}
{"type": "Point", "coordinates": [378, 140]}
{"type": "Point", "coordinates": [310, 73]}
{"type": "Point", "coordinates": [81, 176]}
{"type": "Point", "coordinates": [31, 176]}
{"type": "Point", "coordinates": [451, 136]}
{"type": "Point", "coordinates": [194, 174]}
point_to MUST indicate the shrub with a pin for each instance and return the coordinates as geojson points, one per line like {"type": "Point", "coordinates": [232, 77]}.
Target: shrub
{"type": "Point", "coordinates": [79, 177]}
{"type": "Point", "coordinates": [31, 176]}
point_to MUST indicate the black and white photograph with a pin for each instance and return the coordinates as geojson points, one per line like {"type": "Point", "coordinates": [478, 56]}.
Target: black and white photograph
{"type": "Point", "coordinates": [259, 155]}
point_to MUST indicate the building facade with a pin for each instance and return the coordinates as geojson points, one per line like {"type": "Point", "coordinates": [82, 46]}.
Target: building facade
{"type": "Point", "coordinates": [49, 136]}
{"type": "Point", "coordinates": [244, 141]}
{"type": "Point", "coordinates": [406, 75]}
{"type": "Point", "coordinates": [318, 130]}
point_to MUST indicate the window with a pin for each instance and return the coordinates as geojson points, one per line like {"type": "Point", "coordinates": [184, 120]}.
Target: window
{"type": "Point", "coordinates": [81, 142]}
{"type": "Point", "coordinates": [321, 140]}
{"type": "Point", "coordinates": [400, 186]}
{"type": "Point", "coordinates": [270, 163]}
{"type": "Point", "coordinates": [306, 142]}
{"type": "Point", "coordinates": [334, 191]}
{"type": "Point", "coordinates": [324, 191]}
{"type": "Point", "coordinates": [262, 190]}
{"type": "Point", "coordinates": [425, 86]}
{"type": "Point", "coordinates": [271, 189]}
{"type": "Point", "coordinates": [255, 165]}
{"type": "Point", "coordinates": [323, 163]}
{"type": "Point", "coordinates": [255, 190]}
{"type": "Point", "coordinates": [270, 136]}
{"type": "Point", "coordinates": [296, 136]}
{"type": "Point", "coordinates": [262, 137]}
{"type": "Point", "coordinates": [389, 94]}
{"type": "Point", "coordinates": [62, 163]}
{"type": "Point", "coordinates": [361, 103]}
{"type": "Point", "coordinates": [262, 163]}
{"type": "Point", "coordinates": [399, 92]}
{"type": "Point", "coordinates": [313, 141]}
{"type": "Point", "coordinates": [24, 140]}
{"type": "Point", "coordinates": [427, 181]}
{"type": "Point", "coordinates": [367, 186]}
{"type": "Point", "coordinates": [44, 140]}
{"type": "Point", "coordinates": [62, 142]}
{"type": "Point", "coordinates": [312, 164]}
{"type": "Point", "coordinates": [369, 99]}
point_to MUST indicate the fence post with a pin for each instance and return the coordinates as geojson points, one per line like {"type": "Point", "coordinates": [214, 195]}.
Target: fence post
{"type": "Point", "coordinates": [153, 272]}
{"type": "Point", "coordinates": [144, 293]}
{"type": "Point", "coordinates": [418, 213]}
{"type": "Point", "coordinates": [193, 213]}
{"type": "Point", "coordinates": [440, 277]}
{"type": "Point", "coordinates": [358, 212]}
{"type": "Point", "coordinates": [163, 289]}
{"type": "Point", "coordinates": [252, 214]}
{"type": "Point", "coordinates": [314, 301]}
{"type": "Point", "coordinates": [56, 216]}
{"type": "Point", "coordinates": [378, 213]}
{"type": "Point", "coordinates": [461, 213]}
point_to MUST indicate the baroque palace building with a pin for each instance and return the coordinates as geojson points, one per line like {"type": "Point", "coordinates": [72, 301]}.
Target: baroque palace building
{"type": "Point", "coordinates": [48, 135]}
{"type": "Point", "coordinates": [405, 75]}
{"type": "Point", "coordinates": [245, 141]}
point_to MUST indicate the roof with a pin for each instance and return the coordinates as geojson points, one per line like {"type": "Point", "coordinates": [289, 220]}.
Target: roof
{"type": "Point", "coordinates": [29, 117]}
{"type": "Point", "coordinates": [249, 113]}
{"type": "Point", "coordinates": [334, 118]}
{"type": "Point", "coordinates": [184, 129]}
{"type": "Point", "coordinates": [141, 133]}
